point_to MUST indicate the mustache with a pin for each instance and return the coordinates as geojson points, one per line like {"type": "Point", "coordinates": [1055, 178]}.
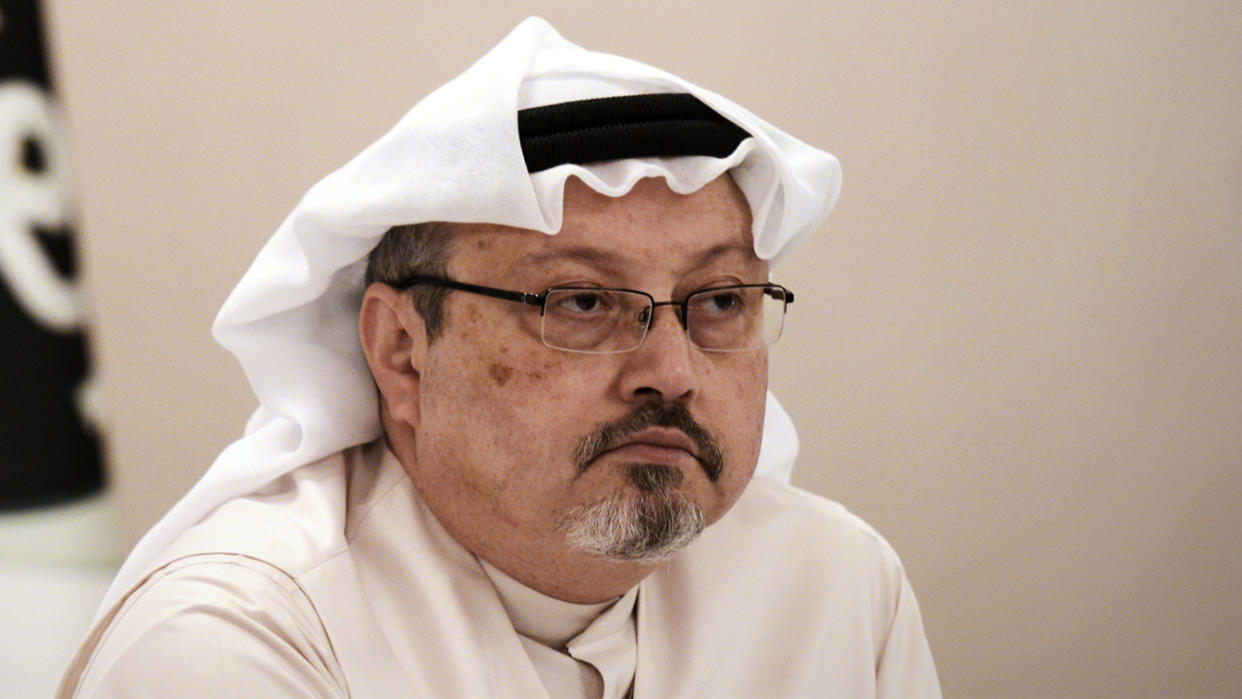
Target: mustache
{"type": "Point", "coordinates": [610, 435]}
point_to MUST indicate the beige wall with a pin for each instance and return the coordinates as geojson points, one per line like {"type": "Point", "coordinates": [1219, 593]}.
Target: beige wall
{"type": "Point", "coordinates": [1016, 343]}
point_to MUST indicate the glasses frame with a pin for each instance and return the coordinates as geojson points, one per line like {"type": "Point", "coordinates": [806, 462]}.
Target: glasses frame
{"type": "Point", "coordinates": [681, 308]}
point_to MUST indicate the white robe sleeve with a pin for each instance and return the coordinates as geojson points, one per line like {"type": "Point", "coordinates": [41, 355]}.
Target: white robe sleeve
{"type": "Point", "coordinates": [212, 625]}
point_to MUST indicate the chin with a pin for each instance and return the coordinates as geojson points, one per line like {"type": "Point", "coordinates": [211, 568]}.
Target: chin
{"type": "Point", "coordinates": [641, 526]}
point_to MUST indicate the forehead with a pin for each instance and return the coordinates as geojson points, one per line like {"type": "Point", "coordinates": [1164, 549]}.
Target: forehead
{"type": "Point", "coordinates": [650, 227]}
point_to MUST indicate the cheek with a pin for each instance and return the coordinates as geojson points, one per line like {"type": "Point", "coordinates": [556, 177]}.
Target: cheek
{"type": "Point", "coordinates": [504, 368]}
{"type": "Point", "coordinates": [741, 385]}
{"type": "Point", "coordinates": [741, 393]}
{"type": "Point", "coordinates": [495, 405]}
{"type": "Point", "coordinates": [495, 354]}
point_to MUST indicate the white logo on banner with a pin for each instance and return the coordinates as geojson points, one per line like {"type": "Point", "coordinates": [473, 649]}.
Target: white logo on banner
{"type": "Point", "coordinates": [34, 198]}
{"type": "Point", "coordinates": [39, 197]}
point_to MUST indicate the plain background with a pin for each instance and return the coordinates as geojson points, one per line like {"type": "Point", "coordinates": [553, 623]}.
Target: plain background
{"type": "Point", "coordinates": [1016, 347]}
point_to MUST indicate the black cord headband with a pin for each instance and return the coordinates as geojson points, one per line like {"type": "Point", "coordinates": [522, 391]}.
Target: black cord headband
{"type": "Point", "coordinates": [613, 128]}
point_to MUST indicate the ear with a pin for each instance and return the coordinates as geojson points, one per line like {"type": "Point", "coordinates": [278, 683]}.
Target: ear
{"type": "Point", "coordinates": [395, 343]}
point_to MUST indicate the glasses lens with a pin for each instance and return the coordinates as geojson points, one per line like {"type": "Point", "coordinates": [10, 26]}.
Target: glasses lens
{"type": "Point", "coordinates": [595, 320]}
{"type": "Point", "coordinates": [735, 317]}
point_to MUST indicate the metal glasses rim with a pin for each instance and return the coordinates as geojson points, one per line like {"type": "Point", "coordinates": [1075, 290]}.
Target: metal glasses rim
{"type": "Point", "coordinates": [540, 300]}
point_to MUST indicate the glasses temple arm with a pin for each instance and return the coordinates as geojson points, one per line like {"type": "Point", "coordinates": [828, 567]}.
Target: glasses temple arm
{"type": "Point", "coordinates": [517, 296]}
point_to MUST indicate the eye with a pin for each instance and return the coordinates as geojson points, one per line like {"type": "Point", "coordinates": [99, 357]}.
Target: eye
{"type": "Point", "coordinates": [582, 302]}
{"type": "Point", "coordinates": [718, 302]}
{"type": "Point", "coordinates": [724, 302]}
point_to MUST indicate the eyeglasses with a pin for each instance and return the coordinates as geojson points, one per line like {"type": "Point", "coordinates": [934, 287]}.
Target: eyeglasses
{"type": "Point", "coordinates": [596, 320]}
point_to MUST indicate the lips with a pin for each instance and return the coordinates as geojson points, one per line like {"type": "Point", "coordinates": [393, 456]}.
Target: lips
{"type": "Point", "coordinates": [656, 444]}
{"type": "Point", "coordinates": [654, 433]}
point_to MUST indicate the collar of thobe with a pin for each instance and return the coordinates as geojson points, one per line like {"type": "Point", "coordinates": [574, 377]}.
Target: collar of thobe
{"type": "Point", "coordinates": [603, 635]}
{"type": "Point", "coordinates": [556, 623]}
{"type": "Point", "coordinates": [456, 156]}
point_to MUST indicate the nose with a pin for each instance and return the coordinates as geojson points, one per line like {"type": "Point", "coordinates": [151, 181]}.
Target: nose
{"type": "Point", "coordinates": [662, 368]}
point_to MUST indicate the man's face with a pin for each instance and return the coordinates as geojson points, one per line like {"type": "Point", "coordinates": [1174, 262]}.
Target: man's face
{"type": "Point", "coordinates": [516, 440]}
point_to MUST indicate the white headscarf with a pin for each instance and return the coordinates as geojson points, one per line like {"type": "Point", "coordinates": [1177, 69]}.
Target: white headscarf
{"type": "Point", "coordinates": [456, 156]}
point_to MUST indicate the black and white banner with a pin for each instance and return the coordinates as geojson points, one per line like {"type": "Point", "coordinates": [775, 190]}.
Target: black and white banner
{"type": "Point", "coordinates": [49, 451]}
{"type": "Point", "coordinates": [57, 540]}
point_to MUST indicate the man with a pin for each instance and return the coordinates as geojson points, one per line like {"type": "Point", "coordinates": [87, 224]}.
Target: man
{"type": "Point", "coordinates": [493, 461]}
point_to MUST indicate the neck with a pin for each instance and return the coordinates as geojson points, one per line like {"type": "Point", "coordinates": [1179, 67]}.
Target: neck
{"type": "Point", "coordinates": [579, 578]}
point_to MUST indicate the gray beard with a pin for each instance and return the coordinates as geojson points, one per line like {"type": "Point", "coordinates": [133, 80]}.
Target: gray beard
{"type": "Point", "coordinates": [646, 524]}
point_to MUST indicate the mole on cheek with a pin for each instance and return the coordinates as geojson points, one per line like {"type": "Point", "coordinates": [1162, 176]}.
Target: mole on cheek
{"type": "Point", "coordinates": [542, 371]}
{"type": "Point", "coordinates": [500, 373]}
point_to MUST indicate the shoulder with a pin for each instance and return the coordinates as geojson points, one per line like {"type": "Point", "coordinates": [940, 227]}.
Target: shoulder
{"type": "Point", "coordinates": [292, 524]}
{"type": "Point", "coordinates": [770, 512]}
{"type": "Point", "coordinates": [213, 624]}
{"type": "Point", "coordinates": [236, 593]}
{"type": "Point", "coordinates": [802, 579]}
{"type": "Point", "coordinates": [795, 545]}
{"type": "Point", "coordinates": [297, 522]}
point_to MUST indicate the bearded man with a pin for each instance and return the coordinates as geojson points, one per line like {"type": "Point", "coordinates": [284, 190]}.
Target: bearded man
{"type": "Point", "coordinates": [512, 368]}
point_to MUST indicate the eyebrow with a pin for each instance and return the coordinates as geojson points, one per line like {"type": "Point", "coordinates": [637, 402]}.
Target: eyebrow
{"type": "Point", "coordinates": [721, 250]}
{"type": "Point", "coordinates": [612, 262]}
{"type": "Point", "coordinates": [576, 253]}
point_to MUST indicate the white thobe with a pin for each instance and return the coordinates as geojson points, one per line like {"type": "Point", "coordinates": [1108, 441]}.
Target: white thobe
{"type": "Point", "coordinates": [336, 580]}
